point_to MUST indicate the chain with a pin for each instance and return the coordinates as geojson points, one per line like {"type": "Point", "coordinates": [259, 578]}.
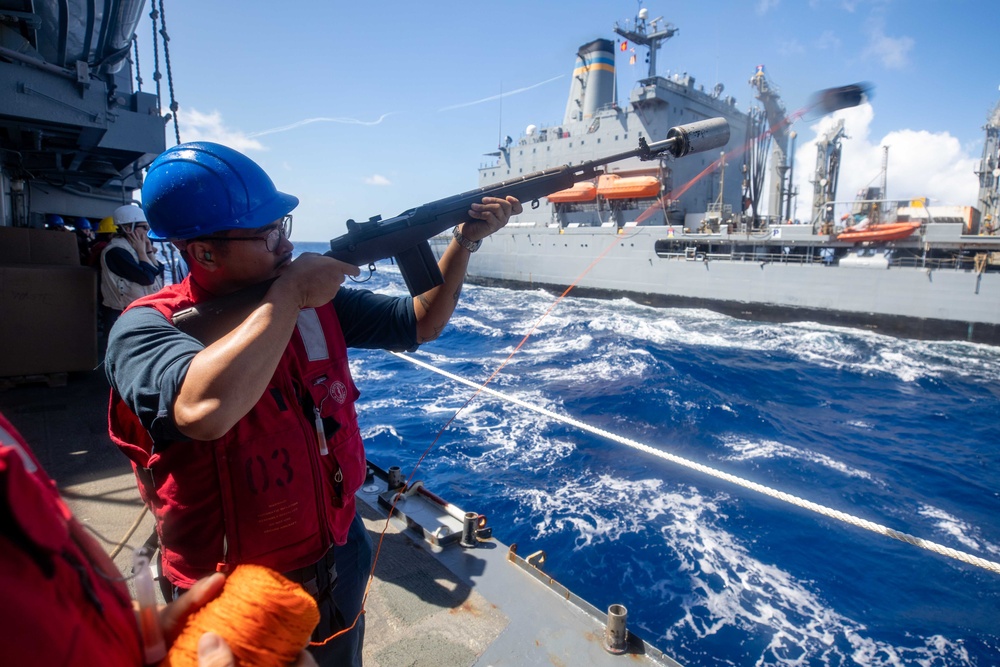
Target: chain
{"type": "Point", "coordinates": [138, 74]}
{"type": "Point", "coordinates": [155, 15]}
{"type": "Point", "coordinates": [170, 76]}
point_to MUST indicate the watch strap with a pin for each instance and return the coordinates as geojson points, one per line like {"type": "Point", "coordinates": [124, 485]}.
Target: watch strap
{"type": "Point", "coordinates": [471, 246]}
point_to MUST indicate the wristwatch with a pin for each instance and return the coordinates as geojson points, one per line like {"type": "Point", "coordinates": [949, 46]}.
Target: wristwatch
{"type": "Point", "coordinates": [471, 246]}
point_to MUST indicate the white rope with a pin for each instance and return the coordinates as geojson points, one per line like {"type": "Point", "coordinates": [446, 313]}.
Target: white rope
{"type": "Point", "coordinates": [992, 566]}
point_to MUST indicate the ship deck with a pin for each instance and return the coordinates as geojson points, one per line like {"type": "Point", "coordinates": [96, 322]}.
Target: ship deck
{"type": "Point", "coordinates": [428, 605]}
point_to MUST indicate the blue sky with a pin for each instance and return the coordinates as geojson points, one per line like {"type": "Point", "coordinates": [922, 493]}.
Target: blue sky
{"type": "Point", "coordinates": [365, 109]}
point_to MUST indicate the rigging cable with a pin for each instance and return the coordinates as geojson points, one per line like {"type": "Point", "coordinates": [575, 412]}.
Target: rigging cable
{"type": "Point", "coordinates": [719, 474]}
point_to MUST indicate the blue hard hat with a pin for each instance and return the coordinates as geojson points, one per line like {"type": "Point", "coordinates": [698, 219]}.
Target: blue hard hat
{"type": "Point", "coordinates": [53, 220]}
{"type": "Point", "coordinates": [83, 223]}
{"type": "Point", "coordinates": [200, 188]}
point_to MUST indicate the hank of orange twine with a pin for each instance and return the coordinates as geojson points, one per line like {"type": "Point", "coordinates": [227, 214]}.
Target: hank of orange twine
{"type": "Point", "coordinates": [265, 618]}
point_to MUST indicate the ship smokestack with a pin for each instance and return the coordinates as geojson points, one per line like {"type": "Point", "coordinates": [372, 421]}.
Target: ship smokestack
{"type": "Point", "coordinates": [593, 83]}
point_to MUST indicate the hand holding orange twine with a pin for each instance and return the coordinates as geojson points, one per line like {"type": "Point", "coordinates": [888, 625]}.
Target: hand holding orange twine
{"type": "Point", "coordinates": [265, 618]}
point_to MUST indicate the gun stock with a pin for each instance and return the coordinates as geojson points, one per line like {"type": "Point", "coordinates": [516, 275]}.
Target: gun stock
{"type": "Point", "coordinates": [405, 236]}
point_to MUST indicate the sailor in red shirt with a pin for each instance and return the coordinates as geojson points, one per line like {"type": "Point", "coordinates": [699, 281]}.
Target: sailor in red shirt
{"type": "Point", "coordinates": [247, 447]}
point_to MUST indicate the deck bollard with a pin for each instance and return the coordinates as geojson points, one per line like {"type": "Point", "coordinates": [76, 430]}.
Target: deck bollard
{"type": "Point", "coordinates": [469, 530]}
{"type": "Point", "coordinates": [395, 478]}
{"type": "Point", "coordinates": [615, 634]}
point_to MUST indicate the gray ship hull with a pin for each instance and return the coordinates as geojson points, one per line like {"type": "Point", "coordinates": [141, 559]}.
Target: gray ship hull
{"type": "Point", "coordinates": [929, 301]}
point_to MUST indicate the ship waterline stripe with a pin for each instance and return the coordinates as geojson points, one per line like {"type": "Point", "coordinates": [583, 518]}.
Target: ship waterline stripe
{"type": "Point", "coordinates": [940, 549]}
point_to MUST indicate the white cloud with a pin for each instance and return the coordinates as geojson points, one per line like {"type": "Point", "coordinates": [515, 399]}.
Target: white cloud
{"type": "Point", "coordinates": [920, 163]}
{"type": "Point", "coordinates": [198, 126]}
{"type": "Point", "coordinates": [377, 179]}
{"type": "Point", "coordinates": [892, 52]}
{"type": "Point", "coordinates": [791, 47]}
{"type": "Point", "coordinates": [764, 6]}
{"type": "Point", "coordinates": [827, 40]}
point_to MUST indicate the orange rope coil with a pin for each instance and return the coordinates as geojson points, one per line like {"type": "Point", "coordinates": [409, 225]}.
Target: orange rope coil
{"type": "Point", "coordinates": [265, 618]}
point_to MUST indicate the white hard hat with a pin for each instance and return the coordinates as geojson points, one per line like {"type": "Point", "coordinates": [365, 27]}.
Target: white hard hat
{"type": "Point", "coordinates": [129, 214]}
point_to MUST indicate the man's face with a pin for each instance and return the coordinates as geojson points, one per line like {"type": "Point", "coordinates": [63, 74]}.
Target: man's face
{"type": "Point", "coordinates": [251, 256]}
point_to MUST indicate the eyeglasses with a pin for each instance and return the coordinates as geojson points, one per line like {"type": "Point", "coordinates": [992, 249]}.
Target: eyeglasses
{"type": "Point", "coordinates": [272, 239]}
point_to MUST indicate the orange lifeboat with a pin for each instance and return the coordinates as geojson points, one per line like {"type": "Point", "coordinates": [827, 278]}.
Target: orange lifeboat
{"type": "Point", "coordinates": [884, 232]}
{"type": "Point", "coordinates": [585, 191]}
{"type": "Point", "coordinates": [613, 186]}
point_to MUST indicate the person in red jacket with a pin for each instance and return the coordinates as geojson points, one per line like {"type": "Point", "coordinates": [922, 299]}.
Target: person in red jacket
{"type": "Point", "coordinates": [247, 447]}
{"type": "Point", "coordinates": [64, 601]}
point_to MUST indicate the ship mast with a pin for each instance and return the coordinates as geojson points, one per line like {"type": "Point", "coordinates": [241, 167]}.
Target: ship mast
{"type": "Point", "coordinates": [648, 34]}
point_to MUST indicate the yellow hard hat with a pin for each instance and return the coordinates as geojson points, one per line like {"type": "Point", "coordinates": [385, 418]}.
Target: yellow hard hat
{"type": "Point", "coordinates": [106, 226]}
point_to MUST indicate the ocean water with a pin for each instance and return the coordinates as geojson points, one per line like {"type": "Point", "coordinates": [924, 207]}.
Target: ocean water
{"type": "Point", "coordinates": [902, 433]}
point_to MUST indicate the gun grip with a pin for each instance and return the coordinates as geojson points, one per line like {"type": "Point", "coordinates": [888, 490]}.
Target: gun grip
{"type": "Point", "coordinates": [419, 268]}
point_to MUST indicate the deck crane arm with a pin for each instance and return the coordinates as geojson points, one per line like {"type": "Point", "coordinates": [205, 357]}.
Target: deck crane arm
{"type": "Point", "coordinates": [778, 124]}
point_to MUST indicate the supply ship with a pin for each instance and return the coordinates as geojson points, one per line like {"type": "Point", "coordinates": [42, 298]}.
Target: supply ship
{"type": "Point", "coordinates": [690, 233]}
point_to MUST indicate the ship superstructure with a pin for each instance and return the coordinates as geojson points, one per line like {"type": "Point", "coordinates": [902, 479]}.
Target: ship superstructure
{"type": "Point", "coordinates": [74, 130]}
{"type": "Point", "coordinates": [595, 125]}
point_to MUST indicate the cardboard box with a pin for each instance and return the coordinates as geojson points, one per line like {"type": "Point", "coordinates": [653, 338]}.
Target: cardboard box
{"type": "Point", "coordinates": [48, 319]}
{"type": "Point", "coordinates": [52, 247]}
{"type": "Point", "coordinates": [20, 245]}
{"type": "Point", "coordinates": [15, 247]}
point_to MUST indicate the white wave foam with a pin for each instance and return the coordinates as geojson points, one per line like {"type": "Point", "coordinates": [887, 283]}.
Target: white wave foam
{"type": "Point", "coordinates": [379, 430]}
{"type": "Point", "coordinates": [964, 533]}
{"type": "Point", "coordinates": [745, 450]}
{"type": "Point", "coordinates": [844, 348]}
{"type": "Point", "coordinates": [730, 590]}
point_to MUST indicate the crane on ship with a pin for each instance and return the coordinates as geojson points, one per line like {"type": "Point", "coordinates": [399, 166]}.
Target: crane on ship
{"type": "Point", "coordinates": [989, 174]}
{"type": "Point", "coordinates": [778, 124]}
{"type": "Point", "coordinates": [828, 150]}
